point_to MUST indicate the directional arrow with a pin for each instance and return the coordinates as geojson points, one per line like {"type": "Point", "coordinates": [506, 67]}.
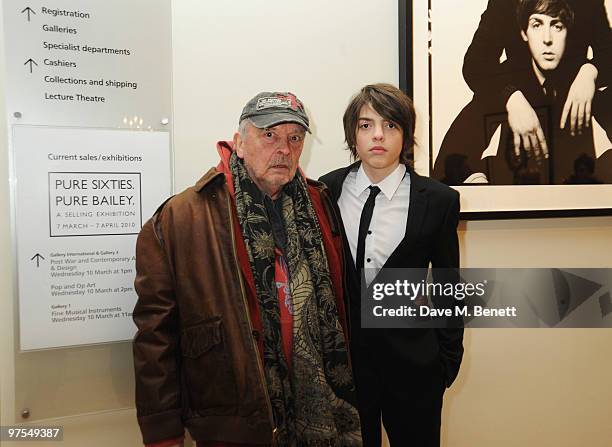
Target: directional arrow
{"type": "Point", "coordinates": [31, 62]}
{"type": "Point", "coordinates": [38, 257]}
{"type": "Point", "coordinates": [29, 11]}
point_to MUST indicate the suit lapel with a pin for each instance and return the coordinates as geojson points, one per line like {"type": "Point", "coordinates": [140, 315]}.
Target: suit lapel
{"type": "Point", "coordinates": [417, 210]}
{"type": "Point", "coordinates": [335, 180]}
{"type": "Point", "coordinates": [416, 213]}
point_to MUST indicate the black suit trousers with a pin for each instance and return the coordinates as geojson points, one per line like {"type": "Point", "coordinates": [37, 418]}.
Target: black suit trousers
{"type": "Point", "coordinates": [408, 395]}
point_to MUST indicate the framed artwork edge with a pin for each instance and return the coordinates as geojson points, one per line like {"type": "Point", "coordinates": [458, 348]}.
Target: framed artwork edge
{"type": "Point", "coordinates": [516, 201]}
{"type": "Point", "coordinates": [534, 214]}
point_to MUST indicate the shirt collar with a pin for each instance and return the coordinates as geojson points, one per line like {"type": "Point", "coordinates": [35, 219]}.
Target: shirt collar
{"type": "Point", "coordinates": [388, 185]}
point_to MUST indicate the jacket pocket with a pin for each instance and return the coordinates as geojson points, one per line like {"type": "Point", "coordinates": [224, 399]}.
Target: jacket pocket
{"type": "Point", "coordinates": [209, 381]}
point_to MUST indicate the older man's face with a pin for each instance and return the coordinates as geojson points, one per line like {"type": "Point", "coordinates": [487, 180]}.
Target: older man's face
{"type": "Point", "coordinates": [271, 156]}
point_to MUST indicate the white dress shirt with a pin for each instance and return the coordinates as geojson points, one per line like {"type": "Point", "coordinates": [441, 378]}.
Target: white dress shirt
{"type": "Point", "coordinates": [388, 225]}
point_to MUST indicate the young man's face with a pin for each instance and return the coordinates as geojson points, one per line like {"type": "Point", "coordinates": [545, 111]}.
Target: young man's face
{"type": "Point", "coordinates": [271, 156]}
{"type": "Point", "coordinates": [379, 141]}
{"type": "Point", "coordinates": [545, 36]}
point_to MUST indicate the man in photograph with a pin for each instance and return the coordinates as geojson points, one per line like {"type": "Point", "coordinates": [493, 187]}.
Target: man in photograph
{"type": "Point", "coordinates": [242, 332]}
{"type": "Point", "coordinates": [543, 123]}
{"type": "Point", "coordinates": [395, 218]}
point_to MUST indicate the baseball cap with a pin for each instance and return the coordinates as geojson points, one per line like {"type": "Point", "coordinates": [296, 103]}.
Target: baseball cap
{"type": "Point", "coordinates": [268, 109]}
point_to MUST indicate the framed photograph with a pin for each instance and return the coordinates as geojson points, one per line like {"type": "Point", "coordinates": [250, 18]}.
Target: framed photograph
{"type": "Point", "coordinates": [516, 91]}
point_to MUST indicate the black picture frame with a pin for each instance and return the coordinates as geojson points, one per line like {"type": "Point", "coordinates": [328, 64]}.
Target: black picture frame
{"type": "Point", "coordinates": [470, 210]}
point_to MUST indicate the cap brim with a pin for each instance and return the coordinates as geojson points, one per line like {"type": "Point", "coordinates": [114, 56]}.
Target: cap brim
{"type": "Point", "coordinates": [274, 119]}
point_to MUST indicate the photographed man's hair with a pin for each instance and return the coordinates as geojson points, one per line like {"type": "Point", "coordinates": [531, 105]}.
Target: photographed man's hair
{"type": "Point", "coordinates": [552, 8]}
{"type": "Point", "coordinates": [389, 102]}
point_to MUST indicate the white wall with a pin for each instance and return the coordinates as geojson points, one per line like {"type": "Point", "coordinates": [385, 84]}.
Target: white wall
{"type": "Point", "coordinates": [516, 387]}
{"type": "Point", "coordinates": [323, 51]}
{"type": "Point", "coordinates": [533, 387]}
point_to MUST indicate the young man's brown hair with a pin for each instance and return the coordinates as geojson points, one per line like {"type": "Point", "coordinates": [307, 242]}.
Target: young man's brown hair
{"type": "Point", "coordinates": [389, 102]}
{"type": "Point", "coordinates": [551, 8]}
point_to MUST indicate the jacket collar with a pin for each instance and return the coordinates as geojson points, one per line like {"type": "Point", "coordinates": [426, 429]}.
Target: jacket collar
{"type": "Point", "coordinates": [335, 182]}
{"type": "Point", "coordinates": [224, 148]}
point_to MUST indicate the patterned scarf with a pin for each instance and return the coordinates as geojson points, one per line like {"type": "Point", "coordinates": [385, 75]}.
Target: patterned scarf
{"type": "Point", "coordinates": [313, 401]}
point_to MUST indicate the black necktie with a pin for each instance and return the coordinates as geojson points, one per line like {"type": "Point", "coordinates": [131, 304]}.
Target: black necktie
{"type": "Point", "coordinates": [364, 225]}
{"type": "Point", "coordinates": [549, 90]}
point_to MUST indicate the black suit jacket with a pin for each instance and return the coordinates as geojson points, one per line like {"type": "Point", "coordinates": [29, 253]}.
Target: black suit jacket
{"type": "Point", "coordinates": [431, 236]}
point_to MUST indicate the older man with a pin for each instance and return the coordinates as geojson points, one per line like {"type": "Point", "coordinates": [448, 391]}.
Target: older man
{"type": "Point", "coordinates": [241, 323]}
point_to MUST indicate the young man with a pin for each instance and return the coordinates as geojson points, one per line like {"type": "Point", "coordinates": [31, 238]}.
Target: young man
{"type": "Point", "coordinates": [240, 314]}
{"type": "Point", "coordinates": [395, 218]}
{"type": "Point", "coordinates": [536, 145]}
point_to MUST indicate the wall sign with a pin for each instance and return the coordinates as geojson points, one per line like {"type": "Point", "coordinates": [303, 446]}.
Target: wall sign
{"type": "Point", "coordinates": [89, 105]}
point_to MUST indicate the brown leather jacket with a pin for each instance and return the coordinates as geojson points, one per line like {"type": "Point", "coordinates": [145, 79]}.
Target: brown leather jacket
{"type": "Point", "coordinates": [197, 352]}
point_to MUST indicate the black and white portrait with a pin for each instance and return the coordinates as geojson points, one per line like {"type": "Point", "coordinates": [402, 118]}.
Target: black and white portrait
{"type": "Point", "coordinates": [540, 111]}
